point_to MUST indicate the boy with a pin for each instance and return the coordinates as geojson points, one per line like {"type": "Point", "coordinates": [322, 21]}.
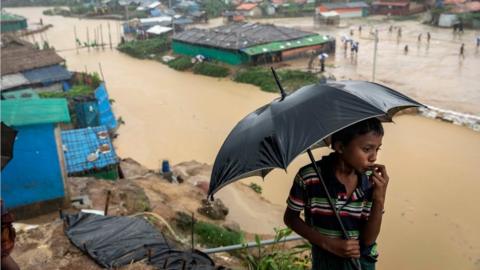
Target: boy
{"type": "Point", "coordinates": [359, 199]}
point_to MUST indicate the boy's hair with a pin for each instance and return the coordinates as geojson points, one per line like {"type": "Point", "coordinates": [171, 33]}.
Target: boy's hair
{"type": "Point", "coordinates": [346, 135]}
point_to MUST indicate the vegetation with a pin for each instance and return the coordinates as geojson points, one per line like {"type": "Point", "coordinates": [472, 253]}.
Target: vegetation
{"type": "Point", "coordinates": [262, 77]}
{"type": "Point", "coordinates": [277, 256]}
{"type": "Point", "coordinates": [211, 69]}
{"type": "Point", "coordinates": [75, 91]}
{"type": "Point", "coordinates": [181, 63]}
{"type": "Point", "coordinates": [256, 188]}
{"type": "Point", "coordinates": [145, 48]}
{"type": "Point", "coordinates": [214, 8]}
{"type": "Point", "coordinates": [212, 235]}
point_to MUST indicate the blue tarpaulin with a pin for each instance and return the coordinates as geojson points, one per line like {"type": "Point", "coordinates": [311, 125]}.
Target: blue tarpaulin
{"type": "Point", "coordinates": [83, 149]}
{"type": "Point", "coordinates": [47, 75]}
{"type": "Point", "coordinates": [107, 117]}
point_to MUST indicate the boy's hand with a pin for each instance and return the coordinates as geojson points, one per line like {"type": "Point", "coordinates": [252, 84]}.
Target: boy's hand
{"type": "Point", "coordinates": [379, 179]}
{"type": "Point", "coordinates": [343, 248]}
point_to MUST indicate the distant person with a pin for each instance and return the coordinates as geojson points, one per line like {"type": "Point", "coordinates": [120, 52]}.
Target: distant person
{"type": "Point", "coordinates": [322, 57]}
{"type": "Point", "coordinates": [460, 27]}
{"type": "Point", "coordinates": [359, 29]}
{"type": "Point", "coordinates": [478, 42]}
{"type": "Point", "coordinates": [351, 32]}
{"type": "Point", "coordinates": [428, 36]}
{"type": "Point", "coordinates": [361, 197]}
{"type": "Point", "coordinates": [405, 49]}
{"type": "Point", "coordinates": [462, 50]}
{"type": "Point", "coordinates": [390, 29]}
{"type": "Point", "coordinates": [419, 38]}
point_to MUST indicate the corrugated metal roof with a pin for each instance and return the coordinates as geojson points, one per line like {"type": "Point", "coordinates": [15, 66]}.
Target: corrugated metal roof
{"type": "Point", "coordinates": [21, 112]}
{"type": "Point", "coordinates": [48, 74]}
{"type": "Point", "coordinates": [346, 5]}
{"type": "Point", "coordinates": [19, 94]}
{"type": "Point", "coordinates": [285, 45]}
{"type": "Point", "coordinates": [8, 17]}
{"type": "Point", "coordinates": [12, 80]}
{"type": "Point", "coordinates": [83, 149]}
{"type": "Point", "coordinates": [240, 35]}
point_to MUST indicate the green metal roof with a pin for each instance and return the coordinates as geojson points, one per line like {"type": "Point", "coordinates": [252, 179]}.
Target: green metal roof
{"type": "Point", "coordinates": [285, 45]}
{"type": "Point", "coordinates": [4, 16]}
{"type": "Point", "coordinates": [21, 112]}
{"type": "Point", "coordinates": [27, 93]}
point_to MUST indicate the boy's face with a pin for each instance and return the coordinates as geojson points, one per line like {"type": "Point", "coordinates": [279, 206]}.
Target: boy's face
{"type": "Point", "coordinates": [361, 152]}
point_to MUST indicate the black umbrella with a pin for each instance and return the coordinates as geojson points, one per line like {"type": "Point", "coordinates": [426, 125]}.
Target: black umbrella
{"type": "Point", "coordinates": [8, 138]}
{"type": "Point", "coordinates": [275, 134]}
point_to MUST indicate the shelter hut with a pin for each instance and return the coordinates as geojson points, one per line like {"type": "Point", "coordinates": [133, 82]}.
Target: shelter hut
{"type": "Point", "coordinates": [33, 182]}
{"type": "Point", "coordinates": [250, 43]}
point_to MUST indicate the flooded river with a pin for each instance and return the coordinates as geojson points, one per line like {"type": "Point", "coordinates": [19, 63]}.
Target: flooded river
{"type": "Point", "coordinates": [430, 220]}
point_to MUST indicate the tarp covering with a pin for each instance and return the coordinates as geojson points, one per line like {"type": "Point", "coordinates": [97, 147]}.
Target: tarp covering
{"type": "Point", "coordinates": [20, 112]}
{"type": "Point", "coordinates": [87, 114]}
{"type": "Point", "coordinates": [21, 94]}
{"type": "Point", "coordinates": [116, 241]}
{"type": "Point", "coordinates": [82, 149]}
{"type": "Point", "coordinates": [158, 30]}
{"type": "Point", "coordinates": [107, 117]}
{"type": "Point", "coordinates": [12, 80]}
{"type": "Point", "coordinates": [47, 75]}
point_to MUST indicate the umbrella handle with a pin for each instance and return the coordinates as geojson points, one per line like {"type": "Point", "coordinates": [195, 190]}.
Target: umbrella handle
{"type": "Point", "coordinates": [355, 262]}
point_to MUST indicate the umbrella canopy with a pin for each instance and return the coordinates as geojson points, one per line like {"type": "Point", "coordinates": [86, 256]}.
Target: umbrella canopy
{"type": "Point", "coordinates": [8, 138]}
{"type": "Point", "coordinates": [273, 135]}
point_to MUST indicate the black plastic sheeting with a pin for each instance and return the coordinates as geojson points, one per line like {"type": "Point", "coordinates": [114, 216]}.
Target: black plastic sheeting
{"type": "Point", "coordinates": [116, 241]}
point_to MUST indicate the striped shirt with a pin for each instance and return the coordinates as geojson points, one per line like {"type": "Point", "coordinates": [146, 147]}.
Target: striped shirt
{"type": "Point", "coordinates": [307, 191]}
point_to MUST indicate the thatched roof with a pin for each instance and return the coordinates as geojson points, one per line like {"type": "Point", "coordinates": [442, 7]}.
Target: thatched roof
{"type": "Point", "coordinates": [240, 35]}
{"type": "Point", "coordinates": [19, 55]}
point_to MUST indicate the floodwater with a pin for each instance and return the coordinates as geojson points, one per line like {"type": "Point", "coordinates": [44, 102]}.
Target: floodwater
{"type": "Point", "coordinates": [430, 220]}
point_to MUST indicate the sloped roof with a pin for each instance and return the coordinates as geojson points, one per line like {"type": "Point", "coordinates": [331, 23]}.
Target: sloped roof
{"type": "Point", "coordinates": [12, 80]}
{"type": "Point", "coordinates": [246, 6]}
{"type": "Point", "coordinates": [21, 112]}
{"type": "Point", "coordinates": [284, 45]}
{"type": "Point", "coordinates": [19, 55]}
{"type": "Point", "coordinates": [48, 74]}
{"type": "Point", "coordinates": [240, 35]}
{"type": "Point", "coordinates": [21, 94]}
{"type": "Point", "coordinates": [345, 5]}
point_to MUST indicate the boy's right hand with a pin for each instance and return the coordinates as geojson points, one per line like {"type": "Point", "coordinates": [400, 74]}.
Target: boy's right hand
{"type": "Point", "coordinates": [342, 248]}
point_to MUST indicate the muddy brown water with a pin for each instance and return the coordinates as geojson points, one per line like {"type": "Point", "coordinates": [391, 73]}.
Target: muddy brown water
{"type": "Point", "coordinates": [431, 221]}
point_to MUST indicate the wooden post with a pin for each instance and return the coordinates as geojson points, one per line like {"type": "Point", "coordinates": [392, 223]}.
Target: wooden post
{"type": "Point", "coordinates": [107, 202]}
{"type": "Point", "coordinates": [88, 40]}
{"type": "Point", "coordinates": [109, 36]}
{"type": "Point", "coordinates": [101, 36]}
{"type": "Point", "coordinates": [76, 38]}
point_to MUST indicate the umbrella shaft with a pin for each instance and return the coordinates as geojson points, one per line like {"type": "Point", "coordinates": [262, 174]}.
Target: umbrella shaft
{"type": "Point", "coordinates": [355, 262]}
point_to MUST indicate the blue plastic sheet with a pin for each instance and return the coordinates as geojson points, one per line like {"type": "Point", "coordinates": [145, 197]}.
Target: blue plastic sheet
{"type": "Point", "coordinates": [47, 75]}
{"type": "Point", "coordinates": [107, 117]}
{"type": "Point", "coordinates": [80, 143]}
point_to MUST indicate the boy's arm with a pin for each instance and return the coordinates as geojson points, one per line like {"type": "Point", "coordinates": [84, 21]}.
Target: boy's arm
{"type": "Point", "coordinates": [371, 229]}
{"type": "Point", "coordinates": [339, 247]}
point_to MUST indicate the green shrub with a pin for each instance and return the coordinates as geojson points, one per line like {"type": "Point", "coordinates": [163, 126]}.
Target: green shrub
{"type": "Point", "coordinates": [290, 79]}
{"type": "Point", "coordinates": [181, 63]}
{"type": "Point", "coordinates": [211, 69]}
{"type": "Point", "coordinates": [256, 188]}
{"type": "Point", "coordinates": [212, 235]}
{"type": "Point", "coordinates": [277, 257]}
{"type": "Point", "coordinates": [144, 48]}
{"type": "Point", "coordinates": [75, 91]}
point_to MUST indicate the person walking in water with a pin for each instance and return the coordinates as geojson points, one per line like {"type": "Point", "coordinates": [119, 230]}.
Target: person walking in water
{"type": "Point", "coordinates": [419, 38]}
{"type": "Point", "coordinates": [462, 51]}
{"type": "Point", "coordinates": [405, 49]}
{"type": "Point", "coordinates": [428, 37]}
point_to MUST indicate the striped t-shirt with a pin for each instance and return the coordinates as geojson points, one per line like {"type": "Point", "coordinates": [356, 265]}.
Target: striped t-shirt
{"type": "Point", "coordinates": [307, 191]}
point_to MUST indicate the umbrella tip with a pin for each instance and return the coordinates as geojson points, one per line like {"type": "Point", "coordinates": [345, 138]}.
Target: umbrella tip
{"type": "Point", "coordinates": [282, 91]}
